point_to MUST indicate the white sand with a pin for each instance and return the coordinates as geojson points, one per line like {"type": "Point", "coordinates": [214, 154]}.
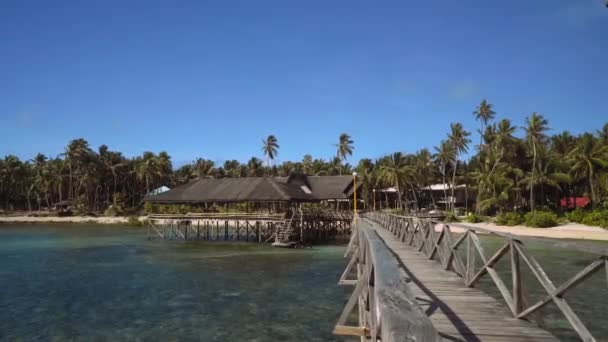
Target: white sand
{"type": "Point", "coordinates": [566, 231]}
{"type": "Point", "coordinates": [67, 219]}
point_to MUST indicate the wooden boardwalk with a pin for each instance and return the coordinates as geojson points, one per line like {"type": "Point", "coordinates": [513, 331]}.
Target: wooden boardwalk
{"type": "Point", "coordinates": [459, 313]}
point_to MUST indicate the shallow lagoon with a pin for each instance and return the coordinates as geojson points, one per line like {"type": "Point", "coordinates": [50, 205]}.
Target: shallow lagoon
{"type": "Point", "coordinates": [90, 282]}
{"type": "Point", "coordinates": [95, 282]}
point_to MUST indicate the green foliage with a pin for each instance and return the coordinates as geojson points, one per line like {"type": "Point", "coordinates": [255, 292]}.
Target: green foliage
{"type": "Point", "coordinates": [134, 221]}
{"type": "Point", "coordinates": [150, 208]}
{"type": "Point", "coordinates": [473, 218]}
{"type": "Point", "coordinates": [596, 218]}
{"type": "Point", "coordinates": [577, 215]}
{"type": "Point", "coordinates": [509, 219]}
{"type": "Point", "coordinates": [540, 219]}
{"type": "Point", "coordinates": [451, 217]}
{"type": "Point", "coordinates": [113, 210]}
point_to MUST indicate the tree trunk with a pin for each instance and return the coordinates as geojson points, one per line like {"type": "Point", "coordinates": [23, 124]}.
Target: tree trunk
{"type": "Point", "coordinates": [533, 171]}
{"type": "Point", "coordinates": [445, 193]}
{"type": "Point", "coordinates": [416, 206]}
{"type": "Point", "coordinates": [398, 195]}
{"type": "Point", "coordinates": [452, 201]}
{"type": "Point", "coordinates": [591, 191]}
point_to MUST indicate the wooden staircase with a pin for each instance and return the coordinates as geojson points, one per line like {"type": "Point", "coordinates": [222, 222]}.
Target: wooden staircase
{"type": "Point", "coordinates": [285, 231]}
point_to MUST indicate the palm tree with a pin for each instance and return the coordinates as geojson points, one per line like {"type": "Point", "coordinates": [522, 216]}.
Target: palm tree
{"type": "Point", "coordinates": [344, 148]}
{"type": "Point", "coordinates": [147, 169]}
{"type": "Point", "coordinates": [545, 175]}
{"type": "Point", "coordinates": [535, 135]}
{"type": "Point", "coordinates": [484, 114]}
{"type": "Point", "coordinates": [459, 140]}
{"type": "Point", "coordinates": [270, 147]}
{"type": "Point", "coordinates": [444, 154]}
{"type": "Point", "coordinates": [307, 164]}
{"type": "Point", "coordinates": [203, 168]}
{"type": "Point", "coordinates": [255, 167]}
{"type": "Point", "coordinates": [74, 153]}
{"type": "Point", "coordinates": [588, 158]}
{"type": "Point", "coordinates": [603, 134]}
{"type": "Point", "coordinates": [392, 172]}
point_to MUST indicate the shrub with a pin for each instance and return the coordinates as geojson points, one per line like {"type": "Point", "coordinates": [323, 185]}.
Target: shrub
{"type": "Point", "coordinates": [451, 217]}
{"type": "Point", "coordinates": [596, 218]}
{"type": "Point", "coordinates": [113, 210]}
{"type": "Point", "coordinates": [577, 215]}
{"type": "Point", "coordinates": [541, 219]}
{"type": "Point", "coordinates": [509, 219]}
{"type": "Point", "coordinates": [473, 218]}
{"type": "Point", "coordinates": [150, 208]}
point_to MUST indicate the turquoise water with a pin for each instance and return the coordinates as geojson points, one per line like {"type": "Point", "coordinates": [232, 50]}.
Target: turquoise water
{"type": "Point", "coordinates": [91, 282]}
{"type": "Point", "coordinates": [94, 282]}
{"type": "Point", "coordinates": [589, 300]}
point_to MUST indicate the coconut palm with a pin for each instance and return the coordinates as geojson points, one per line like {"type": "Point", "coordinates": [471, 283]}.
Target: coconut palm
{"type": "Point", "coordinates": [545, 176]}
{"type": "Point", "coordinates": [147, 169]}
{"type": "Point", "coordinates": [344, 148]}
{"type": "Point", "coordinates": [270, 147]}
{"type": "Point", "coordinates": [588, 158]}
{"type": "Point", "coordinates": [307, 164]}
{"type": "Point", "coordinates": [393, 171]}
{"type": "Point", "coordinates": [603, 134]}
{"type": "Point", "coordinates": [536, 127]}
{"type": "Point", "coordinates": [203, 168]}
{"type": "Point", "coordinates": [459, 140]}
{"type": "Point", "coordinates": [74, 153]}
{"type": "Point", "coordinates": [484, 114]}
{"type": "Point", "coordinates": [255, 167]}
{"type": "Point", "coordinates": [444, 154]}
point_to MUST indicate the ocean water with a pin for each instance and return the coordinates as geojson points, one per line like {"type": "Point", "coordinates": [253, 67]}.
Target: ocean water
{"type": "Point", "coordinates": [588, 300]}
{"type": "Point", "coordinates": [97, 283]}
{"type": "Point", "coordinates": [108, 283]}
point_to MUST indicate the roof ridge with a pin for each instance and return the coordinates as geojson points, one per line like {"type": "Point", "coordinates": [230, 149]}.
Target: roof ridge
{"type": "Point", "coordinates": [277, 187]}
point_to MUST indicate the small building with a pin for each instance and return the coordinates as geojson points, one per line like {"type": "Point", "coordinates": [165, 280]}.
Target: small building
{"type": "Point", "coordinates": [441, 195]}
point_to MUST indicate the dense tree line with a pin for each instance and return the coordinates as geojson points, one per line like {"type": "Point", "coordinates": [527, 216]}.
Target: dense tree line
{"type": "Point", "coordinates": [512, 168]}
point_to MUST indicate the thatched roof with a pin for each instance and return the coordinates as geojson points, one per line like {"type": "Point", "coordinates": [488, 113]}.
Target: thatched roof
{"type": "Point", "coordinates": [295, 188]}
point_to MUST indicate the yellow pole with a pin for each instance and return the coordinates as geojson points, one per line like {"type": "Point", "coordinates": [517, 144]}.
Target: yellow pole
{"type": "Point", "coordinates": [355, 197]}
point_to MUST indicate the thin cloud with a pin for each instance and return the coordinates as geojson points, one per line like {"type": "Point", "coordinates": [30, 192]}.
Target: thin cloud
{"type": "Point", "coordinates": [25, 118]}
{"type": "Point", "coordinates": [463, 89]}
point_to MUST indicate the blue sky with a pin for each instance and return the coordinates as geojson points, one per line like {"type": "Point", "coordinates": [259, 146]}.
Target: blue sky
{"type": "Point", "coordinates": [212, 78]}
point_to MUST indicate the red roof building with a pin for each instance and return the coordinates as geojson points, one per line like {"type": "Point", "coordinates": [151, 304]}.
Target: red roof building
{"type": "Point", "coordinates": [574, 202]}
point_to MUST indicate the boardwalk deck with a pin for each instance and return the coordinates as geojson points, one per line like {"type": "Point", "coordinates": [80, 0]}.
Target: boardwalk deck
{"type": "Point", "coordinates": [459, 313]}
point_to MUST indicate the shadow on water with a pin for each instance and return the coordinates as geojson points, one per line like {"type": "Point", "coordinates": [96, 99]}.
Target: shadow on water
{"type": "Point", "coordinates": [109, 283]}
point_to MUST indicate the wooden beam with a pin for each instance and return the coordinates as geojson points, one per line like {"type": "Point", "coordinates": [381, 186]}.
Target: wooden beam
{"type": "Point", "coordinates": [562, 305]}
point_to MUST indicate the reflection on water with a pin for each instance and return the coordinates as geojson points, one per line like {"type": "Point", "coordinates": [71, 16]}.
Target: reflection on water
{"type": "Point", "coordinates": [108, 283]}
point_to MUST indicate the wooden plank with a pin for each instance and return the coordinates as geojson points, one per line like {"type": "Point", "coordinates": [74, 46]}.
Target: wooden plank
{"type": "Point", "coordinates": [458, 312]}
{"type": "Point", "coordinates": [502, 288]}
{"type": "Point", "coordinates": [343, 330]}
{"type": "Point", "coordinates": [544, 280]}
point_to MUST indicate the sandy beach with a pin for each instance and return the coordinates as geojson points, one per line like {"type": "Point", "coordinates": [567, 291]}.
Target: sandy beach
{"type": "Point", "coordinates": [66, 219]}
{"type": "Point", "coordinates": [565, 231]}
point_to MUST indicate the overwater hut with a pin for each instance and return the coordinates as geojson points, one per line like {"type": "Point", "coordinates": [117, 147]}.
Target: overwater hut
{"type": "Point", "coordinates": [275, 203]}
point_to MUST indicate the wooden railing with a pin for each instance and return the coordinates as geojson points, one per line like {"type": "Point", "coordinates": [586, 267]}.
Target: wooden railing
{"type": "Point", "coordinates": [436, 241]}
{"type": "Point", "coordinates": [387, 310]}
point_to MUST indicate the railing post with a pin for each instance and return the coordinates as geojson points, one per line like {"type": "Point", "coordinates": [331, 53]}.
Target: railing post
{"type": "Point", "coordinates": [517, 280]}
